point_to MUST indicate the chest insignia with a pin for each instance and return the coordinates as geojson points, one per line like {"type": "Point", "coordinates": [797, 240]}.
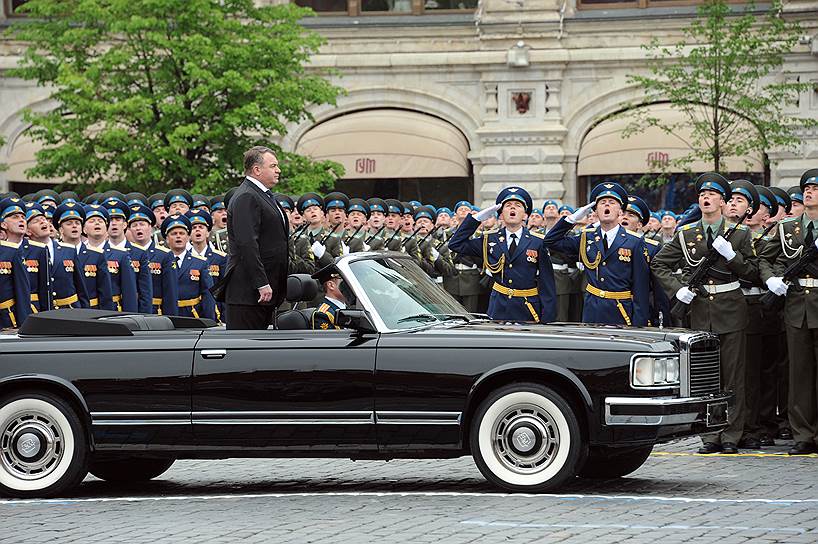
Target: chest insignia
{"type": "Point", "coordinates": [90, 270]}
{"type": "Point", "coordinates": [194, 274]}
{"type": "Point", "coordinates": [68, 264]}
{"type": "Point", "coordinates": [531, 255]}
{"type": "Point", "coordinates": [155, 268]}
{"type": "Point", "coordinates": [5, 267]}
{"type": "Point", "coordinates": [625, 254]}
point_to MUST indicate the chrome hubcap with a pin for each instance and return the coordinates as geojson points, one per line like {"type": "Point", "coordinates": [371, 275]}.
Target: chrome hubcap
{"type": "Point", "coordinates": [525, 438]}
{"type": "Point", "coordinates": [31, 446]}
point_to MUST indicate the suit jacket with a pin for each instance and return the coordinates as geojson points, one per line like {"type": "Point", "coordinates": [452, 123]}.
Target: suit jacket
{"type": "Point", "coordinates": [258, 232]}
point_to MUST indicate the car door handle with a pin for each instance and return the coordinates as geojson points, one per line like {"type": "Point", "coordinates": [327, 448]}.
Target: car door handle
{"type": "Point", "coordinates": [214, 353]}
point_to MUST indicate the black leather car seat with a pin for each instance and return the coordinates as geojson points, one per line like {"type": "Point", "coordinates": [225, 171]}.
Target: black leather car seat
{"type": "Point", "coordinates": [300, 288]}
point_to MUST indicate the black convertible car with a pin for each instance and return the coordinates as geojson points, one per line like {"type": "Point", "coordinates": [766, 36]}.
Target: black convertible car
{"type": "Point", "coordinates": [411, 375]}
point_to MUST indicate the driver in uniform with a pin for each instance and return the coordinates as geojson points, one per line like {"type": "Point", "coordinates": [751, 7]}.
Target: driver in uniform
{"type": "Point", "coordinates": [323, 318]}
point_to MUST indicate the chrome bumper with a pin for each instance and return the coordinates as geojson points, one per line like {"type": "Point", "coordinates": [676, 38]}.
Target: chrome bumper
{"type": "Point", "coordinates": [667, 410]}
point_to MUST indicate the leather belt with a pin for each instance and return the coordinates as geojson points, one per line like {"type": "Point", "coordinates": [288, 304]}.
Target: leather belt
{"type": "Point", "coordinates": [7, 305]}
{"type": "Point", "coordinates": [187, 303]}
{"type": "Point", "coordinates": [618, 296]}
{"type": "Point", "coordinates": [156, 301]}
{"type": "Point", "coordinates": [65, 301]}
{"type": "Point", "coordinates": [752, 291]}
{"type": "Point", "coordinates": [93, 303]}
{"type": "Point", "coordinates": [520, 293]}
{"type": "Point", "coordinates": [35, 297]}
{"type": "Point", "coordinates": [557, 266]}
{"type": "Point", "coordinates": [723, 288]}
{"type": "Point", "coordinates": [808, 282]}
{"type": "Point", "coordinates": [117, 299]}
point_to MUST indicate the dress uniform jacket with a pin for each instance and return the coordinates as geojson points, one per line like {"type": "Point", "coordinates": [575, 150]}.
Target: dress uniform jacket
{"type": "Point", "coordinates": [618, 288]}
{"type": "Point", "coordinates": [216, 263]}
{"type": "Point", "coordinates": [67, 282]}
{"type": "Point", "coordinates": [523, 287]}
{"type": "Point", "coordinates": [140, 262]}
{"type": "Point", "coordinates": [303, 247]}
{"type": "Point", "coordinates": [123, 279]}
{"type": "Point", "coordinates": [659, 301]}
{"type": "Point", "coordinates": [36, 263]}
{"type": "Point", "coordinates": [164, 278]}
{"type": "Point", "coordinates": [323, 318]}
{"type": "Point", "coordinates": [195, 282]}
{"type": "Point", "coordinates": [96, 278]}
{"type": "Point", "coordinates": [15, 291]}
{"type": "Point", "coordinates": [724, 309]}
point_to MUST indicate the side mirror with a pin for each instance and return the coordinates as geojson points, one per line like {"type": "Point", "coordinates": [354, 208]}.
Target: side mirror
{"type": "Point", "coordinates": [358, 320]}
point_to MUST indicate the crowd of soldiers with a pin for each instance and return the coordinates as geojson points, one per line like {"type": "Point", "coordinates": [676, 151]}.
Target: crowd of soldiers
{"type": "Point", "coordinates": [611, 261]}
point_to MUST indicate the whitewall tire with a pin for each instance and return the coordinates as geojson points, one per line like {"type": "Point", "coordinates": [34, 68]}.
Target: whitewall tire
{"type": "Point", "coordinates": [43, 448]}
{"type": "Point", "coordinates": [526, 437]}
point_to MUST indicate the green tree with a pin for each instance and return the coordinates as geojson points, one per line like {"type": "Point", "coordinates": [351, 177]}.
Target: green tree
{"type": "Point", "coordinates": [725, 76]}
{"type": "Point", "coordinates": [156, 94]}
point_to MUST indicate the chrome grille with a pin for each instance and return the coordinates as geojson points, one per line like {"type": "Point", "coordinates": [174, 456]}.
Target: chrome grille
{"type": "Point", "coordinates": [705, 368]}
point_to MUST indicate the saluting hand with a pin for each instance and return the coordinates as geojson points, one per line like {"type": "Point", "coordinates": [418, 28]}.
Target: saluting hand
{"type": "Point", "coordinates": [581, 213]}
{"type": "Point", "coordinates": [482, 215]}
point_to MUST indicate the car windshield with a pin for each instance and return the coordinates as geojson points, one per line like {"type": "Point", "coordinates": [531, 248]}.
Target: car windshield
{"type": "Point", "coordinates": [403, 295]}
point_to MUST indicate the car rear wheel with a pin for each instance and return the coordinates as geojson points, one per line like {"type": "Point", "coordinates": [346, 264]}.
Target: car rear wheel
{"type": "Point", "coordinates": [526, 437]}
{"type": "Point", "coordinates": [43, 447]}
{"type": "Point", "coordinates": [606, 463]}
{"type": "Point", "coordinates": [129, 469]}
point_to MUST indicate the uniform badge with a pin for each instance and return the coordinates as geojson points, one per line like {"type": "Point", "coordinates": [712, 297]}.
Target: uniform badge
{"type": "Point", "coordinates": [531, 255]}
{"type": "Point", "coordinates": [699, 237]}
{"type": "Point", "coordinates": [5, 267]}
{"type": "Point", "coordinates": [625, 254]}
{"type": "Point", "coordinates": [32, 265]}
{"type": "Point", "coordinates": [502, 239]}
{"type": "Point", "coordinates": [155, 268]}
{"type": "Point", "coordinates": [68, 264]}
{"type": "Point", "coordinates": [135, 266]}
{"type": "Point", "coordinates": [214, 270]}
{"type": "Point", "coordinates": [324, 325]}
{"type": "Point", "coordinates": [90, 270]}
{"type": "Point", "coordinates": [194, 274]}
{"type": "Point", "coordinates": [113, 267]}
{"type": "Point", "coordinates": [692, 250]}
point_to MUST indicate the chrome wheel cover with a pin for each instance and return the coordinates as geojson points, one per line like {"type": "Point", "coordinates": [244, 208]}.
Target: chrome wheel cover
{"type": "Point", "coordinates": [525, 438]}
{"type": "Point", "coordinates": [31, 445]}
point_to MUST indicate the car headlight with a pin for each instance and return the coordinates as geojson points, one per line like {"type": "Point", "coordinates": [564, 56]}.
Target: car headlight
{"type": "Point", "coordinates": [648, 371]}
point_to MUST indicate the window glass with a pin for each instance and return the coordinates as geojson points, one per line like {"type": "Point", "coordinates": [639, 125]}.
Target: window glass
{"type": "Point", "coordinates": [323, 5]}
{"type": "Point", "coordinates": [394, 6]}
{"type": "Point", "coordinates": [431, 5]}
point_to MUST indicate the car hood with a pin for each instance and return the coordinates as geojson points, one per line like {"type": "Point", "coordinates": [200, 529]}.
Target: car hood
{"type": "Point", "coordinates": [570, 336]}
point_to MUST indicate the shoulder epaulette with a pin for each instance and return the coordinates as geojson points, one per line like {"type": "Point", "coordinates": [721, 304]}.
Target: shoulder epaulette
{"type": "Point", "coordinates": [538, 234]}
{"type": "Point", "coordinates": [492, 231]}
{"type": "Point", "coordinates": [163, 249]}
{"type": "Point", "coordinates": [323, 308]}
{"type": "Point", "coordinates": [36, 244]}
{"type": "Point", "coordinates": [652, 242]}
{"type": "Point", "coordinates": [137, 246]}
{"type": "Point", "coordinates": [690, 226]}
{"type": "Point", "coordinates": [740, 227]}
{"type": "Point", "coordinates": [220, 253]}
{"type": "Point", "coordinates": [95, 249]}
{"type": "Point", "coordinates": [6, 243]}
{"type": "Point", "coordinates": [65, 244]}
{"type": "Point", "coordinates": [633, 233]}
{"type": "Point", "coordinates": [789, 219]}
{"type": "Point", "coordinates": [198, 257]}
{"type": "Point", "coordinates": [588, 229]}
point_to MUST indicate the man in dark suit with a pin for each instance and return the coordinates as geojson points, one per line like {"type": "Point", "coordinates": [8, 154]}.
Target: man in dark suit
{"type": "Point", "coordinates": [255, 282]}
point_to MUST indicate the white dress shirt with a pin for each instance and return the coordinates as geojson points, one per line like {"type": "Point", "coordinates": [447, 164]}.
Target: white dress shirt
{"type": "Point", "coordinates": [610, 235]}
{"type": "Point", "coordinates": [519, 237]}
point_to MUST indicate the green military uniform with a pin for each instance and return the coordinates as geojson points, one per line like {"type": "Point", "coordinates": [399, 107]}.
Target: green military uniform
{"type": "Point", "coordinates": [800, 319]}
{"type": "Point", "coordinates": [218, 239]}
{"type": "Point", "coordinates": [722, 308]}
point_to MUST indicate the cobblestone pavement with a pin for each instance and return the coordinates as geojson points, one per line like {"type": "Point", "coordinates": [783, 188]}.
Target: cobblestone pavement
{"type": "Point", "coordinates": [676, 496]}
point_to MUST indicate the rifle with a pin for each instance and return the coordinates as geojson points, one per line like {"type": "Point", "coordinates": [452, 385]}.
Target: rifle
{"type": "Point", "coordinates": [297, 232]}
{"type": "Point", "coordinates": [351, 236]}
{"type": "Point", "coordinates": [377, 232]}
{"type": "Point", "coordinates": [386, 244]}
{"type": "Point", "coordinates": [403, 242]}
{"type": "Point", "coordinates": [765, 233]}
{"type": "Point", "coordinates": [698, 276]}
{"type": "Point", "coordinates": [774, 302]}
{"type": "Point", "coordinates": [330, 233]}
{"type": "Point", "coordinates": [431, 232]}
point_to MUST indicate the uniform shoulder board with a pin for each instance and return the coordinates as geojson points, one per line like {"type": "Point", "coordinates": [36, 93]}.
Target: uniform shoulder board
{"type": "Point", "coordinates": [323, 308]}
{"type": "Point", "coordinates": [740, 227]}
{"type": "Point", "coordinates": [198, 257]}
{"type": "Point", "coordinates": [163, 249]}
{"type": "Point", "coordinates": [589, 229]}
{"type": "Point", "coordinates": [6, 243]}
{"type": "Point", "coordinates": [789, 219]}
{"type": "Point", "coordinates": [537, 234]}
{"type": "Point", "coordinates": [137, 246]}
{"type": "Point", "coordinates": [64, 244]}
{"type": "Point", "coordinates": [492, 231]}
{"type": "Point", "coordinates": [36, 244]}
{"type": "Point", "coordinates": [96, 249]}
{"type": "Point", "coordinates": [633, 233]}
{"type": "Point", "coordinates": [690, 226]}
{"type": "Point", "coordinates": [220, 253]}
{"type": "Point", "coordinates": [651, 241]}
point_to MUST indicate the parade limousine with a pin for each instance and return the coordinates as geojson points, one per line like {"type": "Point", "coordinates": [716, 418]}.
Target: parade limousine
{"type": "Point", "coordinates": [410, 375]}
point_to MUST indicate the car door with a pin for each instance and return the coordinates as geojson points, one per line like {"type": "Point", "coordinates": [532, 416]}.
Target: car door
{"type": "Point", "coordinates": [284, 390]}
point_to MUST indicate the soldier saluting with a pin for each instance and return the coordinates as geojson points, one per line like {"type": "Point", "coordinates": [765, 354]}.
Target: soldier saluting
{"type": "Point", "coordinates": [523, 287]}
{"type": "Point", "coordinates": [720, 307]}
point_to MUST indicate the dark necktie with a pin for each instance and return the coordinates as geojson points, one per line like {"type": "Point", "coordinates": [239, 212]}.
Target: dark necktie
{"type": "Point", "coordinates": [709, 237]}
{"type": "Point", "coordinates": [178, 262]}
{"type": "Point", "coordinates": [312, 238]}
{"type": "Point", "coordinates": [810, 238]}
{"type": "Point", "coordinates": [605, 242]}
{"type": "Point", "coordinates": [512, 247]}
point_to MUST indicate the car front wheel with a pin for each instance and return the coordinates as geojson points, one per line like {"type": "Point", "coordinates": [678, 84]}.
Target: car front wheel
{"type": "Point", "coordinates": [43, 448]}
{"type": "Point", "coordinates": [526, 437]}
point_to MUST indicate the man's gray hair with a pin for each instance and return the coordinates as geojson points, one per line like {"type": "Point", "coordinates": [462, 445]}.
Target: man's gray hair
{"type": "Point", "coordinates": [255, 156]}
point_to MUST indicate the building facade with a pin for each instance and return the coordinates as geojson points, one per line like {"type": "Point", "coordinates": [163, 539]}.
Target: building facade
{"type": "Point", "coordinates": [451, 99]}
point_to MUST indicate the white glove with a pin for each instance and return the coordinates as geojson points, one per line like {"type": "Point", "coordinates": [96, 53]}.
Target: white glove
{"type": "Point", "coordinates": [777, 286]}
{"type": "Point", "coordinates": [580, 214]}
{"type": "Point", "coordinates": [580, 267]}
{"type": "Point", "coordinates": [482, 215]}
{"type": "Point", "coordinates": [724, 248]}
{"type": "Point", "coordinates": [435, 254]}
{"type": "Point", "coordinates": [344, 249]}
{"type": "Point", "coordinates": [685, 295]}
{"type": "Point", "coordinates": [318, 249]}
{"type": "Point", "coordinates": [366, 247]}
{"type": "Point", "coordinates": [816, 243]}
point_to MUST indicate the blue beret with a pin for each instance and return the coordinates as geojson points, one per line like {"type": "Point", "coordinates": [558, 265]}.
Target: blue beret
{"type": "Point", "coordinates": [441, 211]}
{"type": "Point", "coordinates": [537, 211]}
{"type": "Point", "coordinates": [663, 213]}
{"type": "Point", "coordinates": [550, 202]}
{"type": "Point", "coordinates": [462, 203]}
{"type": "Point", "coordinates": [566, 207]}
